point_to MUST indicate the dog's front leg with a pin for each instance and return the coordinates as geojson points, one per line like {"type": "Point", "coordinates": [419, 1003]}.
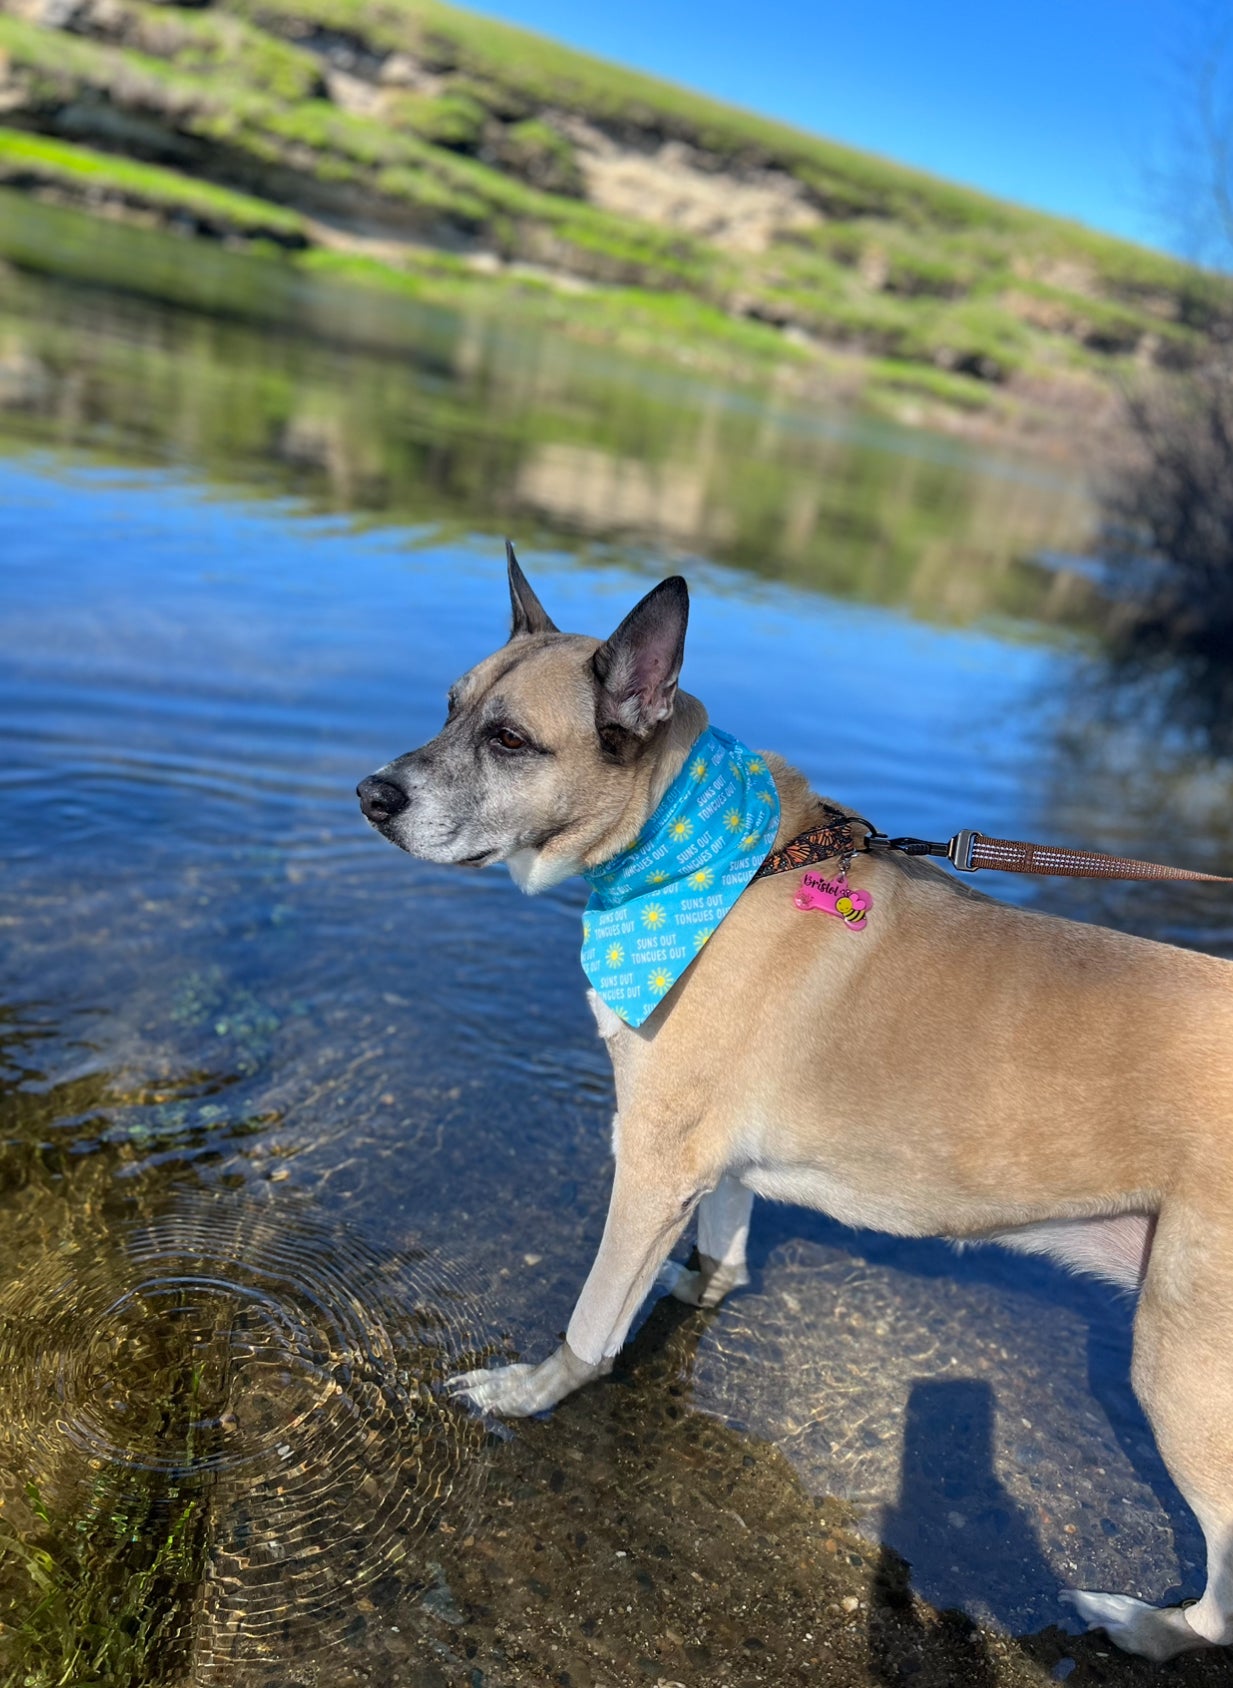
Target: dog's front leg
{"type": "Point", "coordinates": [645, 1217]}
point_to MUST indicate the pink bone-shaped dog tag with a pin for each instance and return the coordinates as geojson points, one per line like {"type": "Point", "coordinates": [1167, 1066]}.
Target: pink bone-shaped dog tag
{"type": "Point", "coordinates": [834, 896]}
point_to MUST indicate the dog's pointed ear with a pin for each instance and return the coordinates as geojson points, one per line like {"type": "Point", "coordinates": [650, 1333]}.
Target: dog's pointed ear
{"type": "Point", "coordinates": [529, 615]}
{"type": "Point", "coordinates": [639, 666]}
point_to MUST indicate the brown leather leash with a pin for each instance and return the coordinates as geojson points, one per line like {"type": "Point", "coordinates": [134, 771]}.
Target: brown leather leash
{"type": "Point", "coordinates": [968, 851]}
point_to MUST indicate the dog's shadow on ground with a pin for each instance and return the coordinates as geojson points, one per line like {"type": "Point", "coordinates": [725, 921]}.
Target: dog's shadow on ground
{"type": "Point", "coordinates": [969, 1542]}
{"type": "Point", "coordinates": [947, 1449]}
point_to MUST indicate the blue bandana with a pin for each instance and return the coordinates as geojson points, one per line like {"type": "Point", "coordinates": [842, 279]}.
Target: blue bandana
{"type": "Point", "coordinates": [653, 907]}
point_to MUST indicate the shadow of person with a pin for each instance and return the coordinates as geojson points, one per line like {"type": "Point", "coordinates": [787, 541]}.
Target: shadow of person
{"type": "Point", "coordinates": [956, 1533]}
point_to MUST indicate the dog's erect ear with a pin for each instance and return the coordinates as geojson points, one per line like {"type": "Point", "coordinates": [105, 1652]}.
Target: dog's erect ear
{"type": "Point", "coordinates": [639, 666]}
{"type": "Point", "coordinates": [530, 616]}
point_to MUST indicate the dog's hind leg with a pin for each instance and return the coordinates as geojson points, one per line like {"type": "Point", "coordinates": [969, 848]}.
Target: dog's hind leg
{"type": "Point", "coordinates": [723, 1235]}
{"type": "Point", "coordinates": [645, 1217]}
{"type": "Point", "coordinates": [1183, 1374]}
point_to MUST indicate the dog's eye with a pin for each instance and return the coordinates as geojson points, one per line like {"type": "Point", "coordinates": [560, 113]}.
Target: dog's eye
{"type": "Point", "coordinates": [508, 739]}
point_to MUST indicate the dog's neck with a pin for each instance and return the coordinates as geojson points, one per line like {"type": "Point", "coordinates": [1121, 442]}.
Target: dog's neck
{"type": "Point", "coordinates": [800, 807]}
{"type": "Point", "coordinates": [689, 718]}
{"type": "Point", "coordinates": [656, 772]}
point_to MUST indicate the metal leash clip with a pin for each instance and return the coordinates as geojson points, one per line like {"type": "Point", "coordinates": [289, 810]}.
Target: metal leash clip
{"type": "Point", "coordinates": [959, 850]}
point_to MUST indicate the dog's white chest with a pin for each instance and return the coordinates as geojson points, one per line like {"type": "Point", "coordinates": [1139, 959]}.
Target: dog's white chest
{"type": "Point", "coordinates": [607, 1022]}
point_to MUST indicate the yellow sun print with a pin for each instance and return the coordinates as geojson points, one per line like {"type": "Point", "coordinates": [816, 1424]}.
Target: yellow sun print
{"type": "Point", "coordinates": [614, 955]}
{"type": "Point", "coordinates": [653, 916]}
{"type": "Point", "coordinates": [699, 768]}
{"type": "Point", "coordinates": [681, 828]}
{"type": "Point", "coordinates": [703, 879]}
{"type": "Point", "coordinates": [733, 819]}
{"type": "Point", "coordinates": [701, 937]}
{"type": "Point", "coordinates": [660, 980]}
{"type": "Point", "coordinates": [656, 878]}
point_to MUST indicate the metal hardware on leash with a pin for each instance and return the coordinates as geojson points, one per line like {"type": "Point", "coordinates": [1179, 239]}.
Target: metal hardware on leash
{"type": "Point", "coordinates": [959, 850]}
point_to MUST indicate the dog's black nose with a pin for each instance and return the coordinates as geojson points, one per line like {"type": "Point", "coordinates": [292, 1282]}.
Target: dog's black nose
{"type": "Point", "coordinates": [380, 799]}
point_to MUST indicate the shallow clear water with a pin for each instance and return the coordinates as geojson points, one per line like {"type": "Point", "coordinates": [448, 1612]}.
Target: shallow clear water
{"type": "Point", "coordinates": [293, 1124]}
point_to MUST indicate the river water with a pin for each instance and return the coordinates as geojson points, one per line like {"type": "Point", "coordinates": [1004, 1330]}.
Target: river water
{"type": "Point", "coordinates": [294, 1125]}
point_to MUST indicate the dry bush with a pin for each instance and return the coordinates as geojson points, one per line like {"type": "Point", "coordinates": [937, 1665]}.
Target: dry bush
{"type": "Point", "coordinates": [1168, 519]}
{"type": "Point", "coordinates": [1168, 542]}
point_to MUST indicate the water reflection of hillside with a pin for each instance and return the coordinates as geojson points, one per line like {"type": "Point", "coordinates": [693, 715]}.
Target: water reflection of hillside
{"type": "Point", "coordinates": [467, 423]}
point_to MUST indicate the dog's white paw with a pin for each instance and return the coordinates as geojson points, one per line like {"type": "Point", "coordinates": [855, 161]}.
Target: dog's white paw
{"type": "Point", "coordinates": [679, 1281]}
{"type": "Point", "coordinates": [700, 1289]}
{"type": "Point", "coordinates": [509, 1390]}
{"type": "Point", "coordinates": [517, 1391]}
{"type": "Point", "coordinates": [1154, 1632]}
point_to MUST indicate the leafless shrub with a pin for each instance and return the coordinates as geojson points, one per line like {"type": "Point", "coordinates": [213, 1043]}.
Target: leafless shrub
{"type": "Point", "coordinates": [1168, 547]}
{"type": "Point", "coordinates": [1168, 520]}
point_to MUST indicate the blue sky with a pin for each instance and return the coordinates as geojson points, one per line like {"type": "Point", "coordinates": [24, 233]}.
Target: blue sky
{"type": "Point", "coordinates": [1074, 106]}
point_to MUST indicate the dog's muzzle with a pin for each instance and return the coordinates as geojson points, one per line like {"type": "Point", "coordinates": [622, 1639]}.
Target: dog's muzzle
{"type": "Point", "coordinates": [380, 799]}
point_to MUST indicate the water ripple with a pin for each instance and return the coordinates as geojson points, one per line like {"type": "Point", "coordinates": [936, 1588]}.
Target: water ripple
{"type": "Point", "coordinates": [276, 1364]}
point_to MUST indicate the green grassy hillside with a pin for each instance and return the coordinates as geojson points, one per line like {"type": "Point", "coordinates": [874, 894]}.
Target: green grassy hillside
{"type": "Point", "coordinates": [406, 142]}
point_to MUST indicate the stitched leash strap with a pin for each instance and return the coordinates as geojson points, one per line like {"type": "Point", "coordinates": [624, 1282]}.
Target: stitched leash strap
{"type": "Point", "coordinates": [969, 852]}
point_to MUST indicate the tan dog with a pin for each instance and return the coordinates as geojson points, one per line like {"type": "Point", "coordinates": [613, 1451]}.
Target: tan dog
{"type": "Point", "coordinates": [1059, 1088]}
